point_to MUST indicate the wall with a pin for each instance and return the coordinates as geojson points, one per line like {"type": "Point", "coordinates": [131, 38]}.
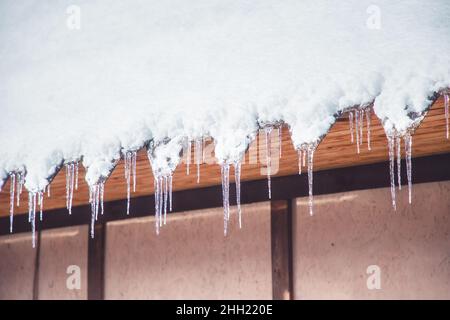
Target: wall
{"type": "Point", "coordinates": [191, 258]}
{"type": "Point", "coordinates": [350, 231]}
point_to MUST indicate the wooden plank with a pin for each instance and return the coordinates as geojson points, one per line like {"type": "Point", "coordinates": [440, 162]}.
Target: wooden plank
{"type": "Point", "coordinates": [281, 238]}
{"type": "Point", "coordinates": [335, 151]}
{"type": "Point", "coordinates": [425, 169]}
{"type": "Point", "coordinates": [96, 263]}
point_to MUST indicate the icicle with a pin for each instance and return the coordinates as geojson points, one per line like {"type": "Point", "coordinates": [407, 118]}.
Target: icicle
{"type": "Point", "coordinates": [225, 171]}
{"type": "Point", "coordinates": [133, 165]}
{"type": "Point", "coordinates": [280, 140]}
{"type": "Point", "coordinates": [357, 123]}
{"type": "Point", "coordinates": [304, 158]}
{"type": "Point", "coordinates": [94, 199]}
{"type": "Point", "coordinates": [446, 110]}
{"type": "Point", "coordinates": [170, 193]}
{"type": "Point", "coordinates": [408, 154]}
{"type": "Point", "coordinates": [20, 179]}
{"type": "Point", "coordinates": [398, 142]}
{"type": "Point", "coordinates": [311, 149]}
{"type": "Point", "coordinates": [237, 178]}
{"type": "Point", "coordinates": [32, 215]}
{"type": "Point", "coordinates": [165, 198]}
{"type": "Point", "coordinates": [157, 204]}
{"type": "Point", "coordinates": [41, 204]}
{"type": "Point", "coordinates": [70, 184]}
{"type": "Point", "coordinates": [368, 115]}
{"type": "Point", "coordinates": [198, 156]}
{"type": "Point", "coordinates": [128, 178]}
{"type": "Point", "coordinates": [350, 122]}
{"type": "Point", "coordinates": [102, 194]}
{"type": "Point", "coordinates": [361, 125]}
{"type": "Point", "coordinates": [48, 191]}
{"type": "Point", "coordinates": [161, 197]}
{"type": "Point", "coordinates": [11, 200]}
{"type": "Point", "coordinates": [188, 155]}
{"type": "Point", "coordinates": [76, 175]}
{"type": "Point", "coordinates": [391, 145]}
{"type": "Point", "coordinates": [268, 131]}
{"type": "Point", "coordinates": [299, 151]}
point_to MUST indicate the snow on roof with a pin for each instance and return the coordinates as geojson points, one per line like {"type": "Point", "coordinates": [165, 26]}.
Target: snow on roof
{"type": "Point", "coordinates": [94, 80]}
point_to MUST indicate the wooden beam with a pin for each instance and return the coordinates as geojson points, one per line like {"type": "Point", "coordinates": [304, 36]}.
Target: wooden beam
{"type": "Point", "coordinates": [281, 237]}
{"type": "Point", "coordinates": [335, 151]}
{"type": "Point", "coordinates": [96, 263]}
{"type": "Point", "coordinates": [425, 169]}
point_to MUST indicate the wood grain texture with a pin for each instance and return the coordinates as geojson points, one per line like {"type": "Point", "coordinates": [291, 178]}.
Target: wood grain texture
{"type": "Point", "coordinates": [336, 150]}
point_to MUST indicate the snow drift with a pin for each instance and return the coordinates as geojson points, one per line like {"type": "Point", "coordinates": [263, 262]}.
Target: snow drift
{"type": "Point", "coordinates": [97, 80]}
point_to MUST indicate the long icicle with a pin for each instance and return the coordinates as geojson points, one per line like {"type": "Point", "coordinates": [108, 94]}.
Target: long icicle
{"type": "Point", "coordinates": [350, 122]}
{"type": "Point", "coordinates": [299, 151]}
{"type": "Point", "coordinates": [225, 173]}
{"type": "Point", "coordinates": [408, 154]}
{"type": "Point", "coordinates": [267, 132]}
{"type": "Point", "coordinates": [311, 149]}
{"type": "Point", "coordinates": [166, 191]}
{"type": "Point", "coordinates": [32, 216]}
{"type": "Point", "coordinates": [368, 115]}
{"type": "Point", "coordinates": [20, 180]}
{"type": "Point", "coordinates": [280, 140]}
{"type": "Point", "coordinates": [170, 192]}
{"type": "Point", "coordinates": [127, 164]}
{"type": "Point", "coordinates": [237, 178]}
{"type": "Point", "coordinates": [361, 126]}
{"type": "Point", "coordinates": [447, 112]}
{"type": "Point", "coordinates": [41, 204]}
{"type": "Point", "coordinates": [398, 143]}
{"type": "Point", "coordinates": [188, 156]}
{"type": "Point", "coordinates": [198, 156]}
{"type": "Point", "coordinates": [391, 146]}
{"type": "Point", "coordinates": [157, 204]}
{"type": "Point", "coordinates": [357, 131]}
{"type": "Point", "coordinates": [11, 200]}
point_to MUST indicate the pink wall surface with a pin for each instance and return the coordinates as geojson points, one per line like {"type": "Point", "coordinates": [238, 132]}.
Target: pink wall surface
{"type": "Point", "coordinates": [351, 231]}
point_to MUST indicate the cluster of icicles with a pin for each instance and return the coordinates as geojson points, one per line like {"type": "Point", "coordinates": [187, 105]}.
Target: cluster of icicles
{"type": "Point", "coordinates": [163, 182]}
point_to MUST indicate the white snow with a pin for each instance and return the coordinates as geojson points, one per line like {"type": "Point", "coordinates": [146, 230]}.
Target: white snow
{"type": "Point", "coordinates": [140, 71]}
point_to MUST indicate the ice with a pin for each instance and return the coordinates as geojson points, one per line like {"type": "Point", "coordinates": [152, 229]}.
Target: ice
{"type": "Point", "coordinates": [357, 130]}
{"type": "Point", "coordinates": [267, 132]}
{"type": "Point", "coordinates": [446, 111]}
{"type": "Point", "coordinates": [96, 200]}
{"type": "Point", "coordinates": [368, 116]}
{"type": "Point", "coordinates": [408, 155]}
{"type": "Point", "coordinates": [198, 150]}
{"type": "Point", "coordinates": [398, 142]}
{"type": "Point", "coordinates": [130, 171]}
{"type": "Point", "coordinates": [299, 152]}
{"type": "Point", "coordinates": [237, 177]}
{"type": "Point", "coordinates": [310, 151]}
{"type": "Point", "coordinates": [48, 190]}
{"type": "Point", "coordinates": [71, 169]}
{"type": "Point", "coordinates": [225, 173]}
{"type": "Point", "coordinates": [32, 215]}
{"type": "Point", "coordinates": [170, 193]}
{"type": "Point", "coordinates": [280, 140]}
{"type": "Point", "coordinates": [11, 200]}
{"type": "Point", "coordinates": [41, 204]}
{"type": "Point", "coordinates": [188, 155]}
{"type": "Point", "coordinates": [391, 146]}
{"type": "Point", "coordinates": [350, 122]}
